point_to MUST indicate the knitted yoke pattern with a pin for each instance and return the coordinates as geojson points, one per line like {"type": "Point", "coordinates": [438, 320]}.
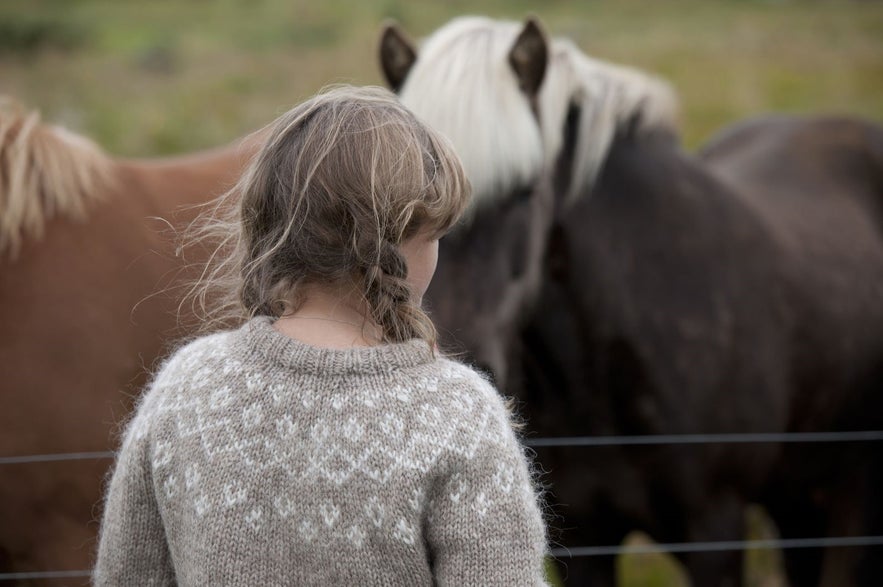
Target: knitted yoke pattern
{"type": "Point", "coordinates": [255, 459]}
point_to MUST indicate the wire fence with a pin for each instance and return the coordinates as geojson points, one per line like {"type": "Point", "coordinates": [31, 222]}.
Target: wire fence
{"type": "Point", "coordinates": [588, 551]}
{"type": "Point", "coordinates": [681, 547]}
{"type": "Point", "coordinates": [587, 441]}
{"type": "Point", "coordinates": [578, 441]}
{"type": "Point", "coordinates": [735, 438]}
{"type": "Point", "coordinates": [44, 575]}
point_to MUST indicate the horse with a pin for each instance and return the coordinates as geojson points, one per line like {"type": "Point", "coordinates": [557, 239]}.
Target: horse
{"type": "Point", "coordinates": [124, 214]}
{"type": "Point", "coordinates": [89, 297]}
{"type": "Point", "coordinates": [667, 302]}
{"type": "Point", "coordinates": [489, 268]}
{"type": "Point", "coordinates": [826, 173]}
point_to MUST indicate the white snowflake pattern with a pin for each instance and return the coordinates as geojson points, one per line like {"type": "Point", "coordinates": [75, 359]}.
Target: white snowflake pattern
{"type": "Point", "coordinates": [254, 518]}
{"type": "Point", "coordinates": [170, 485]}
{"type": "Point", "coordinates": [192, 477]}
{"type": "Point", "coordinates": [330, 513]}
{"type": "Point", "coordinates": [234, 493]}
{"type": "Point", "coordinates": [283, 506]}
{"type": "Point", "coordinates": [404, 532]}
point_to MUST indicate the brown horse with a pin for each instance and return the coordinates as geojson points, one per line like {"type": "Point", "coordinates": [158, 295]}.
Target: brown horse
{"type": "Point", "coordinates": [87, 245]}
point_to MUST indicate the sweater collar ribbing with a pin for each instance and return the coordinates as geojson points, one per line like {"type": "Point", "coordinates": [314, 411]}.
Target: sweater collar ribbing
{"type": "Point", "coordinates": [293, 354]}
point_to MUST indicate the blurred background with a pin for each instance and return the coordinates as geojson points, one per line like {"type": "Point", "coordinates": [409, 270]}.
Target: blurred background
{"type": "Point", "coordinates": [168, 76]}
{"type": "Point", "coordinates": [171, 76]}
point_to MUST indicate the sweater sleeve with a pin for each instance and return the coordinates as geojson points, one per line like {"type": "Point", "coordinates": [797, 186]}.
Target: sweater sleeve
{"type": "Point", "coordinates": [132, 548]}
{"type": "Point", "coordinates": [485, 526]}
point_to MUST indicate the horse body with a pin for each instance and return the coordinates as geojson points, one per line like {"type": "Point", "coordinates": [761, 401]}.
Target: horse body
{"type": "Point", "coordinates": [820, 181]}
{"type": "Point", "coordinates": [694, 301]}
{"type": "Point", "coordinates": [86, 310]}
{"type": "Point", "coordinates": [649, 324]}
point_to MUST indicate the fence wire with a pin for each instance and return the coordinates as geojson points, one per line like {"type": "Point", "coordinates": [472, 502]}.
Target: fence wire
{"type": "Point", "coordinates": [44, 575]}
{"type": "Point", "coordinates": [68, 456]}
{"type": "Point", "coordinates": [735, 438]}
{"type": "Point", "coordinates": [587, 551]}
{"type": "Point", "coordinates": [681, 547]}
{"type": "Point", "coordinates": [586, 441]}
{"type": "Point", "coordinates": [577, 441]}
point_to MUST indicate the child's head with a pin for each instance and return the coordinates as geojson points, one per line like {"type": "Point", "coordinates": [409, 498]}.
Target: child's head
{"type": "Point", "coordinates": [342, 181]}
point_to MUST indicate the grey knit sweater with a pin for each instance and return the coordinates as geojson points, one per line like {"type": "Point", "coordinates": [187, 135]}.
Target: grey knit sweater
{"type": "Point", "coordinates": [256, 460]}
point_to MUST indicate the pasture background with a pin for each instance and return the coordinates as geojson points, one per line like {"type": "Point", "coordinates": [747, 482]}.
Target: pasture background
{"type": "Point", "coordinates": [166, 76]}
{"type": "Point", "coordinates": [170, 76]}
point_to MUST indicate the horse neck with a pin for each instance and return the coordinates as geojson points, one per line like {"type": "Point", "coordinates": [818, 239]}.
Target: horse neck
{"type": "Point", "coordinates": [645, 164]}
{"type": "Point", "coordinates": [175, 187]}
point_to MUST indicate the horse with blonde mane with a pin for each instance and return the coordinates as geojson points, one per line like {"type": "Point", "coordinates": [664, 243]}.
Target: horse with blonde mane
{"type": "Point", "coordinates": [88, 301]}
{"type": "Point", "coordinates": [521, 170]}
{"type": "Point", "coordinates": [664, 303]}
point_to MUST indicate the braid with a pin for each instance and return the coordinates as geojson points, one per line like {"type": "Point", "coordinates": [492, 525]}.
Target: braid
{"type": "Point", "coordinates": [341, 181]}
{"type": "Point", "coordinates": [389, 297]}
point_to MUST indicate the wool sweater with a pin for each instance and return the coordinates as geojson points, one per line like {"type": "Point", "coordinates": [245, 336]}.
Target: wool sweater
{"type": "Point", "coordinates": [255, 459]}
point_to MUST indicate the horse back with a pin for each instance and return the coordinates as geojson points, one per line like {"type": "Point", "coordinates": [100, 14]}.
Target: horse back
{"type": "Point", "coordinates": [818, 184]}
{"type": "Point", "coordinates": [820, 157]}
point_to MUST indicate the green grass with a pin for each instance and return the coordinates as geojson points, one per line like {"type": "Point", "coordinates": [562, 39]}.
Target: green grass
{"type": "Point", "coordinates": [159, 77]}
{"type": "Point", "coordinates": [762, 568]}
{"type": "Point", "coordinates": [169, 76]}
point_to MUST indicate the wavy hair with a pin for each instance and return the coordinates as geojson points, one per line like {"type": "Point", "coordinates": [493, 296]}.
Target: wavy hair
{"type": "Point", "coordinates": [341, 181]}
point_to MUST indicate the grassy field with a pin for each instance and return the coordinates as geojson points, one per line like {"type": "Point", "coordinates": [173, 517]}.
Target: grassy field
{"type": "Point", "coordinates": [170, 76]}
{"type": "Point", "coordinates": [166, 76]}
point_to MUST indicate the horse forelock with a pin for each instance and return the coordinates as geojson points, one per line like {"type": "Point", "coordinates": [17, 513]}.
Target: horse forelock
{"type": "Point", "coordinates": [608, 97]}
{"type": "Point", "coordinates": [44, 171]}
{"type": "Point", "coordinates": [463, 86]}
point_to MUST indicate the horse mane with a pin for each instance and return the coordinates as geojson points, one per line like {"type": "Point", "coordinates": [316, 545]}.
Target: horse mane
{"type": "Point", "coordinates": [462, 85]}
{"type": "Point", "coordinates": [45, 171]}
{"type": "Point", "coordinates": [610, 98]}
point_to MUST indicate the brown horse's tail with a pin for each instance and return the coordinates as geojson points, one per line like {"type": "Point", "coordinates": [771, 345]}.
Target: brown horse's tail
{"type": "Point", "coordinates": [44, 171]}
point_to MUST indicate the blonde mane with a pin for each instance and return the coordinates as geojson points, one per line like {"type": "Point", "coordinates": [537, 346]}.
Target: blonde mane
{"type": "Point", "coordinates": [608, 96]}
{"type": "Point", "coordinates": [45, 172]}
{"type": "Point", "coordinates": [462, 84]}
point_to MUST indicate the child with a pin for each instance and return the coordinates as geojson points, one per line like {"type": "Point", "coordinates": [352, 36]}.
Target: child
{"type": "Point", "coordinates": [324, 442]}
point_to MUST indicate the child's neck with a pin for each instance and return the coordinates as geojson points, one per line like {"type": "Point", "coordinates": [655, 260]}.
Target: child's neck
{"type": "Point", "coordinates": [331, 318]}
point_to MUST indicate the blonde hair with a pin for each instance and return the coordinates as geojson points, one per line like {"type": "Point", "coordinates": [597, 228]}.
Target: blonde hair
{"type": "Point", "coordinates": [341, 181]}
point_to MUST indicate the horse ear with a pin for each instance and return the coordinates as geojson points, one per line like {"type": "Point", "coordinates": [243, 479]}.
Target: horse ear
{"type": "Point", "coordinates": [397, 54]}
{"type": "Point", "coordinates": [529, 57]}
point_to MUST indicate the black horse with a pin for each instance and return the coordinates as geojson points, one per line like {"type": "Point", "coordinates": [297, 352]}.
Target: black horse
{"type": "Point", "coordinates": [824, 175]}
{"type": "Point", "coordinates": [671, 301]}
{"type": "Point", "coordinates": [490, 266]}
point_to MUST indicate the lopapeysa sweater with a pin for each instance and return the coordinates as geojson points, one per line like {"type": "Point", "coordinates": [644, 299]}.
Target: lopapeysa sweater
{"type": "Point", "coordinates": [258, 460]}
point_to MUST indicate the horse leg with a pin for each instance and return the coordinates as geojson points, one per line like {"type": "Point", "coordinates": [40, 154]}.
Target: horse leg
{"type": "Point", "coordinates": [870, 568]}
{"type": "Point", "coordinates": [595, 571]}
{"type": "Point", "coordinates": [52, 526]}
{"type": "Point", "coordinates": [797, 516]}
{"type": "Point", "coordinates": [722, 519]}
{"type": "Point", "coordinates": [850, 512]}
{"type": "Point", "coordinates": [603, 528]}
